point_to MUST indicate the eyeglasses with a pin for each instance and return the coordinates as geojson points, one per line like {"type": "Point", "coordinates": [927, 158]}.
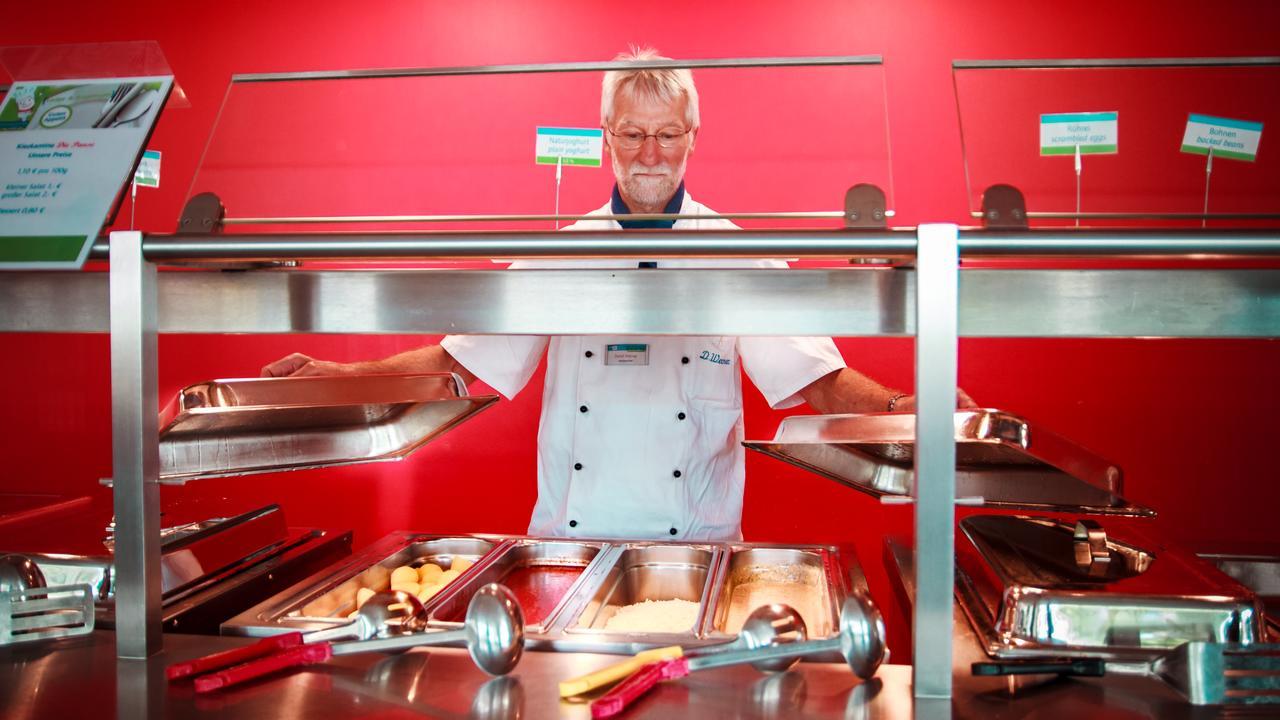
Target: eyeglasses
{"type": "Point", "coordinates": [633, 139]}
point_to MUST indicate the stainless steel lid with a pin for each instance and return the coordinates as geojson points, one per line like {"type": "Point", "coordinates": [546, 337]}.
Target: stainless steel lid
{"type": "Point", "coordinates": [1001, 459]}
{"type": "Point", "coordinates": [256, 425]}
{"type": "Point", "coordinates": [1039, 586]}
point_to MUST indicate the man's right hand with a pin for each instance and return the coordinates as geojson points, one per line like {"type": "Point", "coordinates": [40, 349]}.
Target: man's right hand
{"type": "Point", "coordinates": [299, 365]}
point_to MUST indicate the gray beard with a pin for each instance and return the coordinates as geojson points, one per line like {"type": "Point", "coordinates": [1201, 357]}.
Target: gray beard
{"type": "Point", "coordinates": [651, 194]}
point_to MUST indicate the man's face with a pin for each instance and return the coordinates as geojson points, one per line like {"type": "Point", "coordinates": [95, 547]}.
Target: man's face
{"type": "Point", "coordinates": [648, 175]}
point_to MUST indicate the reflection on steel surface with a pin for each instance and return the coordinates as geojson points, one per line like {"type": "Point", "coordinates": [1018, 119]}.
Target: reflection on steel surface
{"type": "Point", "coordinates": [245, 426]}
{"type": "Point", "coordinates": [1019, 583]}
{"type": "Point", "coordinates": [1000, 458]}
{"type": "Point", "coordinates": [613, 573]}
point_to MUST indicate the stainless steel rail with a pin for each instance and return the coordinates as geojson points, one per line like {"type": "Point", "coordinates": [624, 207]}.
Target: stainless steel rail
{"type": "Point", "coordinates": [696, 243]}
{"type": "Point", "coordinates": [844, 302]}
{"type": "Point", "coordinates": [522, 69]}
{"type": "Point", "coordinates": [1115, 63]}
{"type": "Point", "coordinates": [343, 219]}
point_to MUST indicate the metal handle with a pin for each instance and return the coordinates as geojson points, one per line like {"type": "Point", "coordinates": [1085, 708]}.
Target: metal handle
{"type": "Point", "coordinates": [401, 642]}
{"type": "Point", "coordinates": [1092, 553]}
{"type": "Point", "coordinates": [771, 652]}
{"type": "Point", "coordinates": [1086, 667]}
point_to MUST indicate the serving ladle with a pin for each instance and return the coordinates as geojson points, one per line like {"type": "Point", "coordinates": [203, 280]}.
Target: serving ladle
{"type": "Point", "coordinates": [374, 617]}
{"type": "Point", "coordinates": [767, 625]}
{"type": "Point", "coordinates": [493, 633]}
{"type": "Point", "coordinates": [860, 642]}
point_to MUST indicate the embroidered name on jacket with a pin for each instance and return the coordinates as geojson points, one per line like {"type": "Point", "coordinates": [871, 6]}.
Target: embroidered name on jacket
{"type": "Point", "coordinates": [713, 357]}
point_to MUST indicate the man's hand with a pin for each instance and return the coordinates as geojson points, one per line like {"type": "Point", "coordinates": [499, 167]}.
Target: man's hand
{"type": "Point", "coordinates": [299, 365]}
{"type": "Point", "coordinates": [908, 403]}
{"type": "Point", "coordinates": [849, 391]}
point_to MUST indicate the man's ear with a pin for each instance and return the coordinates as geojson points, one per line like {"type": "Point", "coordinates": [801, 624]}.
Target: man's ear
{"type": "Point", "coordinates": [693, 139]}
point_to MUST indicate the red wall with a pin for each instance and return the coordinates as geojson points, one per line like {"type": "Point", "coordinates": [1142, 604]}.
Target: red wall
{"type": "Point", "coordinates": [1188, 420]}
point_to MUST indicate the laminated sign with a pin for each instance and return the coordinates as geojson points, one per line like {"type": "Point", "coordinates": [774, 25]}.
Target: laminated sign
{"type": "Point", "coordinates": [1090, 133]}
{"type": "Point", "coordinates": [1226, 138]}
{"type": "Point", "coordinates": [569, 146]}
{"type": "Point", "coordinates": [66, 149]}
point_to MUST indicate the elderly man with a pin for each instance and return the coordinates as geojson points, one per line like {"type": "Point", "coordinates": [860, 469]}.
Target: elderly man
{"type": "Point", "coordinates": [641, 436]}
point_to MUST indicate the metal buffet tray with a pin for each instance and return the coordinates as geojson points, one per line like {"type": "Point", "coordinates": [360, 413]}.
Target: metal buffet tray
{"type": "Point", "coordinates": [209, 570]}
{"type": "Point", "coordinates": [1000, 458]}
{"type": "Point", "coordinates": [238, 427]}
{"type": "Point", "coordinates": [1258, 571]}
{"type": "Point", "coordinates": [612, 573]}
{"type": "Point", "coordinates": [1040, 587]}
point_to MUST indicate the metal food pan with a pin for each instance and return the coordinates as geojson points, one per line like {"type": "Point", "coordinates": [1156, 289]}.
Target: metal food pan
{"type": "Point", "coordinates": [445, 552]}
{"type": "Point", "coordinates": [1039, 587]}
{"type": "Point", "coordinates": [542, 574]}
{"type": "Point", "coordinates": [254, 425]}
{"type": "Point", "coordinates": [651, 572]}
{"type": "Point", "coordinates": [321, 601]}
{"type": "Point", "coordinates": [804, 578]}
{"type": "Point", "coordinates": [1002, 459]}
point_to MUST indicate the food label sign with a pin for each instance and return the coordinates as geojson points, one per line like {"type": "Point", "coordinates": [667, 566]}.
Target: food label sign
{"type": "Point", "coordinates": [569, 146]}
{"type": "Point", "coordinates": [1227, 138]}
{"type": "Point", "coordinates": [1094, 133]}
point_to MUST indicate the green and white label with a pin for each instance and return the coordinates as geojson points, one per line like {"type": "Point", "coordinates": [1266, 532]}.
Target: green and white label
{"type": "Point", "coordinates": [66, 149]}
{"type": "Point", "coordinates": [569, 146]}
{"type": "Point", "coordinates": [148, 172]}
{"type": "Point", "coordinates": [1227, 138]}
{"type": "Point", "coordinates": [1094, 133]}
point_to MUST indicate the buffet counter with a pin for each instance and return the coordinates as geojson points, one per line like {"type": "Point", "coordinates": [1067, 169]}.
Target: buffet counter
{"type": "Point", "coordinates": [58, 679]}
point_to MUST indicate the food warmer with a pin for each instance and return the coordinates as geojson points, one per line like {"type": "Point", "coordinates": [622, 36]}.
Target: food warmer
{"type": "Point", "coordinates": [611, 596]}
{"type": "Point", "coordinates": [1101, 584]}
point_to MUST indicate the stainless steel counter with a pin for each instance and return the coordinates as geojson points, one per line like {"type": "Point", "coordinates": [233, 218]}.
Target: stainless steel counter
{"type": "Point", "coordinates": [81, 676]}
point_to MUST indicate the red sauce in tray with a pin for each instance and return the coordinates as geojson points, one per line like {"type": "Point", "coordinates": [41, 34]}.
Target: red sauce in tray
{"type": "Point", "coordinates": [539, 588]}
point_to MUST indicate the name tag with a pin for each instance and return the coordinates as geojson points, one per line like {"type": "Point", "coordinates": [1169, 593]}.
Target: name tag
{"type": "Point", "coordinates": [634, 354]}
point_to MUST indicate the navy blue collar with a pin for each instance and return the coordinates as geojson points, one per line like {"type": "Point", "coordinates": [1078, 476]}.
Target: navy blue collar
{"type": "Point", "coordinates": [672, 208]}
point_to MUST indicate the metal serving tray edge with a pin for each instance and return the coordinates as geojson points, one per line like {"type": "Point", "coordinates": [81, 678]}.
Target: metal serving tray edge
{"type": "Point", "coordinates": [1000, 458]}
{"type": "Point", "coordinates": [841, 569]}
{"type": "Point", "coordinates": [246, 426]}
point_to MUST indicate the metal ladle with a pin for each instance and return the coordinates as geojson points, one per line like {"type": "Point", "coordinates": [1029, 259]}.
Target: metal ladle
{"type": "Point", "coordinates": [374, 616]}
{"type": "Point", "coordinates": [766, 625]}
{"type": "Point", "coordinates": [493, 633]}
{"type": "Point", "coordinates": [860, 641]}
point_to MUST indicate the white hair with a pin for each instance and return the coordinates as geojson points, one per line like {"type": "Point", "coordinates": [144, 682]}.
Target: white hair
{"type": "Point", "coordinates": [658, 84]}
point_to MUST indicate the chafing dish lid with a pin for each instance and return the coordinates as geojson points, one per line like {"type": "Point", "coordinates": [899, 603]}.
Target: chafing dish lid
{"type": "Point", "coordinates": [1001, 458]}
{"type": "Point", "coordinates": [256, 425]}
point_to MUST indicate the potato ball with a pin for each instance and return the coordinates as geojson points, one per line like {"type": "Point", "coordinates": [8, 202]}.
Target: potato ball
{"type": "Point", "coordinates": [461, 564]}
{"type": "Point", "coordinates": [410, 587]}
{"type": "Point", "coordinates": [403, 574]}
{"type": "Point", "coordinates": [429, 573]}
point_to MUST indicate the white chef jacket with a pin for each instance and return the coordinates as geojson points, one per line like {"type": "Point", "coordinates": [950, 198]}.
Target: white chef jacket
{"type": "Point", "coordinates": [644, 451]}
